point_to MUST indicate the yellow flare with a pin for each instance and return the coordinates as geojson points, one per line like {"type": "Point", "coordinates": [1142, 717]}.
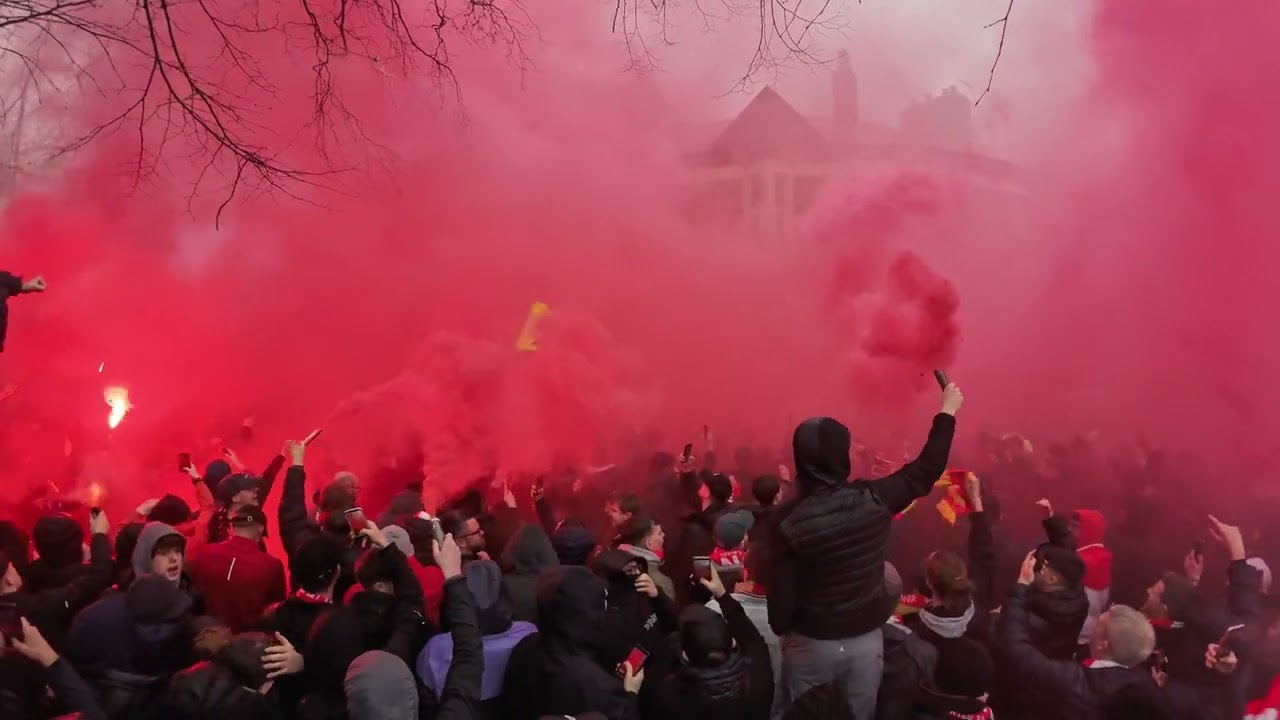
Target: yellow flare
{"type": "Point", "coordinates": [528, 338]}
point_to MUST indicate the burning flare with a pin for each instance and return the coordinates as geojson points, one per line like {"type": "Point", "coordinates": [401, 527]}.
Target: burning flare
{"type": "Point", "coordinates": [118, 399]}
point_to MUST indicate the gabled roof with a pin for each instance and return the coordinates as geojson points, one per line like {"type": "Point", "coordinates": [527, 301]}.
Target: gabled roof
{"type": "Point", "coordinates": [768, 128]}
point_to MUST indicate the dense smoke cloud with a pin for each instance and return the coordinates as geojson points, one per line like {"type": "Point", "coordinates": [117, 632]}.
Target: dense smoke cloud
{"type": "Point", "coordinates": [1118, 281]}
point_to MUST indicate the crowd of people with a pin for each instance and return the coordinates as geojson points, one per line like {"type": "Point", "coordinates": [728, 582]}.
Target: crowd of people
{"type": "Point", "coordinates": [677, 590]}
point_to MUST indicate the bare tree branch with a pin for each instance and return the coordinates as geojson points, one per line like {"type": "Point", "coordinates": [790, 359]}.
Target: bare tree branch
{"type": "Point", "coordinates": [213, 103]}
{"type": "Point", "coordinates": [785, 30]}
{"type": "Point", "coordinates": [1004, 28]}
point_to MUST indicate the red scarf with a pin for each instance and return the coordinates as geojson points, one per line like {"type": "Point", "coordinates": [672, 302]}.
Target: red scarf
{"type": "Point", "coordinates": [312, 597]}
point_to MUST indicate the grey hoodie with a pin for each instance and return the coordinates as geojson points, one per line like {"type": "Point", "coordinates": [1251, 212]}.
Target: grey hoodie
{"type": "Point", "coordinates": [151, 534]}
{"type": "Point", "coordinates": [660, 579]}
{"type": "Point", "coordinates": [379, 686]}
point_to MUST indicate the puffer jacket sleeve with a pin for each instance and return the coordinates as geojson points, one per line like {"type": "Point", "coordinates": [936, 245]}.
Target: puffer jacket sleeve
{"type": "Point", "coordinates": [1053, 680]}
{"type": "Point", "coordinates": [292, 514]}
{"type": "Point", "coordinates": [917, 478]}
{"type": "Point", "coordinates": [754, 648]}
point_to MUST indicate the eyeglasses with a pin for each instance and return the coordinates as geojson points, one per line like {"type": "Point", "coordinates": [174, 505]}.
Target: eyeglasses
{"type": "Point", "coordinates": [477, 531]}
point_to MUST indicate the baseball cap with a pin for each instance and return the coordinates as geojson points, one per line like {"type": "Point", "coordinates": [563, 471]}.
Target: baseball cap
{"type": "Point", "coordinates": [732, 528]}
{"type": "Point", "coordinates": [233, 485]}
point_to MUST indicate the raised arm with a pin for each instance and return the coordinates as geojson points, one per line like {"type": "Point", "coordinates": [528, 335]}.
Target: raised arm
{"type": "Point", "coordinates": [461, 693]}
{"type": "Point", "coordinates": [1052, 679]}
{"type": "Point", "coordinates": [292, 514]}
{"type": "Point", "coordinates": [982, 553]}
{"type": "Point", "coordinates": [66, 601]}
{"type": "Point", "coordinates": [917, 478]}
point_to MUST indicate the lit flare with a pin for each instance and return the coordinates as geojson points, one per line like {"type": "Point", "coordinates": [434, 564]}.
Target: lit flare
{"type": "Point", "coordinates": [118, 399]}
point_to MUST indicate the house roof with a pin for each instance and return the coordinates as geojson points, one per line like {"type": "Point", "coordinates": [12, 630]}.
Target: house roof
{"type": "Point", "coordinates": [768, 128]}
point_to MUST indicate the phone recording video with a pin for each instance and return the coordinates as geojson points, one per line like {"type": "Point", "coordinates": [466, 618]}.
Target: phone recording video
{"type": "Point", "coordinates": [10, 621]}
{"type": "Point", "coordinates": [701, 567]}
{"type": "Point", "coordinates": [635, 659]}
{"type": "Point", "coordinates": [437, 531]}
{"type": "Point", "coordinates": [184, 462]}
{"type": "Point", "coordinates": [356, 520]}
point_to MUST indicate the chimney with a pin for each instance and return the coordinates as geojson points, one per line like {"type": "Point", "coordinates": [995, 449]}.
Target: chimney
{"type": "Point", "coordinates": [844, 96]}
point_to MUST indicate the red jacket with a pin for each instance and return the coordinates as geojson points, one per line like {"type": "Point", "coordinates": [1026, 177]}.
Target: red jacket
{"type": "Point", "coordinates": [430, 577]}
{"type": "Point", "coordinates": [238, 580]}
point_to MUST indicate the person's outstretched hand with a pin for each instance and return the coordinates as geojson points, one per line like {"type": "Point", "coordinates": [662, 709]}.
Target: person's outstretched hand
{"type": "Point", "coordinates": [646, 585]}
{"type": "Point", "coordinates": [35, 284]}
{"type": "Point", "coordinates": [632, 680]}
{"type": "Point", "coordinates": [33, 645]}
{"type": "Point", "coordinates": [98, 523]}
{"type": "Point", "coordinates": [1222, 662]}
{"type": "Point", "coordinates": [713, 583]}
{"type": "Point", "coordinates": [1028, 572]}
{"type": "Point", "coordinates": [447, 556]}
{"type": "Point", "coordinates": [282, 659]}
{"type": "Point", "coordinates": [973, 492]}
{"type": "Point", "coordinates": [952, 399]}
{"type": "Point", "coordinates": [1229, 536]}
{"type": "Point", "coordinates": [375, 535]}
{"type": "Point", "coordinates": [1193, 566]}
{"type": "Point", "coordinates": [297, 452]}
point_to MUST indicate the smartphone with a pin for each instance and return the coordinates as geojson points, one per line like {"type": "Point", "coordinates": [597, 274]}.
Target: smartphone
{"type": "Point", "coordinates": [437, 532]}
{"type": "Point", "coordinates": [356, 519]}
{"type": "Point", "coordinates": [941, 377]}
{"type": "Point", "coordinates": [1223, 648]}
{"type": "Point", "coordinates": [10, 621]}
{"type": "Point", "coordinates": [1198, 548]}
{"type": "Point", "coordinates": [701, 567]}
{"type": "Point", "coordinates": [635, 659]}
{"type": "Point", "coordinates": [184, 462]}
{"type": "Point", "coordinates": [687, 454]}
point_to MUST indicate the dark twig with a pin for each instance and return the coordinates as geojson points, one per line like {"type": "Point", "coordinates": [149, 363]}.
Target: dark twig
{"type": "Point", "coordinates": [784, 31]}
{"type": "Point", "coordinates": [213, 99]}
{"type": "Point", "coordinates": [1004, 28]}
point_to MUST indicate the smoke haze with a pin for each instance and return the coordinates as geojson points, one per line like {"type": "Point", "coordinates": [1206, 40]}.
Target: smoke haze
{"type": "Point", "coordinates": [1116, 279]}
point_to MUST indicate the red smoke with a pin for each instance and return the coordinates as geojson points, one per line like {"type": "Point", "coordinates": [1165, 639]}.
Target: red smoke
{"type": "Point", "coordinates": [1125, 288]}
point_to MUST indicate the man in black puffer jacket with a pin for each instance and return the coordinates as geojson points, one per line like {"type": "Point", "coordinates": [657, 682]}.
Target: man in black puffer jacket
{"type": "Point", "coordinates": [827, 551]}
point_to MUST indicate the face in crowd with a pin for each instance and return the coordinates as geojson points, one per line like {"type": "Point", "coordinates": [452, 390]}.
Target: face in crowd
{"type": "Point", "coordinates": [168, 556]}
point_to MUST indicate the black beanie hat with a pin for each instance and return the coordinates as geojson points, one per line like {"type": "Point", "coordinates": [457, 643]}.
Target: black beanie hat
{"type": "Point", "coordinates": [171, 510]}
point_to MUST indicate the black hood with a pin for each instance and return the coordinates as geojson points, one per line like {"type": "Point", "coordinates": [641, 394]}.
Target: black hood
{"type": "Point", "coordinates": [714, 688]}
{"type": "Point", "coordinates": [40, 575]}
{"type": "Point", "coordinates": [377, 615]}
{"type": "Point", "coordinates": [821, 447]}
{"type": "Point", "coordinates": [1058, 607]}
{"type": "Point", "coordinates": [59, 539]}
{"type": "Point", "coordinates": [529, 552]}
{"type": "Point", "coordinates": [571, 608]}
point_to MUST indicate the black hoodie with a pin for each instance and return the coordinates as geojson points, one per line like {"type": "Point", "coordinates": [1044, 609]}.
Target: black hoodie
{"type": "Point", "coordinates": [827, 547]}
{"type": "Point", "coordinates": [528, 554]}
{"type": "Point", "coordinates": [555, 671]}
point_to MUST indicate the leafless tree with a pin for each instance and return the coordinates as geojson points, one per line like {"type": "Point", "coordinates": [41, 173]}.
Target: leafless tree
{"type": "Point", "coordinates": [786, 31]}
{"type": "Point", "coordinates": [1003, 22]}
{"type": "Point", "coordinates": [155, 54]}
